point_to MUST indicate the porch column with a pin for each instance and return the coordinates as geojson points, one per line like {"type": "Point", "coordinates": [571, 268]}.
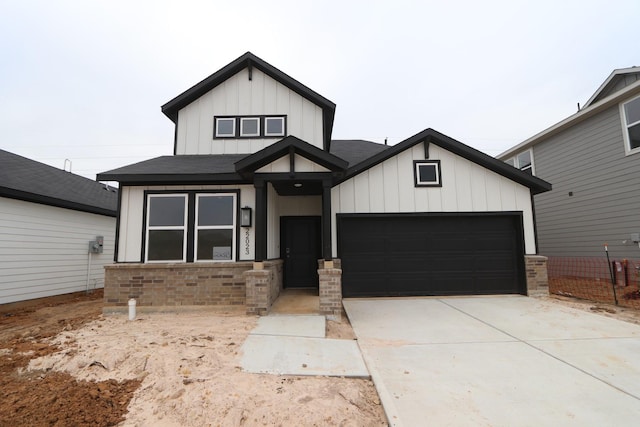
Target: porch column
{"type": "Point", "coordinates": [326, 219]}
{"type": "Point", "coordinates": [261, 220]}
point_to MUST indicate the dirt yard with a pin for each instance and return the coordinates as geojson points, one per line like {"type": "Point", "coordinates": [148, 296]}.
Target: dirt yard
{"type": "Point", "coordinates": [67, 364]}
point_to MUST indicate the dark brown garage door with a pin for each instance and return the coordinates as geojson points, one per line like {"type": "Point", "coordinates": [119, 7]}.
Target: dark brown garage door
{"type": "Point", "coordinates": [430, 254]}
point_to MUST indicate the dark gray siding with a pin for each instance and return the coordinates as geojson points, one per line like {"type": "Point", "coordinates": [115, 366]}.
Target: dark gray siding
{"type": "Point", "coordinates": [589, 161]}
{"type": "Point", "coordinates": [617, 84]}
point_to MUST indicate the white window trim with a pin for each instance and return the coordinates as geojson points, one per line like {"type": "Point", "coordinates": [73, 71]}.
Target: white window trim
{"type": "Point", "coordinates": [243, 119]}
{"type": "Point", "coordinates": [281, 119]}
{"type": "Point", "coordinates": [164, 227]}
{"type": "Point", "coordinates": [625, 128]}
{"type": "Point", "coordinates": [231, 227]}
{"type": "Point", "coordinates": [516, 163]}
{"type": "Point", "coordinates": [232, 134]}
{"type": "Point", "coordinates": [436, 183]}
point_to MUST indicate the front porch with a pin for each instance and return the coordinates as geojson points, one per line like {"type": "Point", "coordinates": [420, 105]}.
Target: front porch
{"type": "Point", "coordinates": [256, 286]}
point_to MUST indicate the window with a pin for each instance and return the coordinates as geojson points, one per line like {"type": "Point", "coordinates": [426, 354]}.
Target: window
{"type": "Point", "coordinates": [215, 215]}
{"type": "Point", "coordinates": [250, 127]}
{"type": "Point", "coordinates": [225, 127]}
{"type": "Point", "coordinates": [166, 229]}
{"type": "Point", "coordinates": [274, 126]}
{"type": "Point", "coordinates": [631, 123]}
{"type": "Point", "coordinates": [523, 161]}
{"type": "Point", "coordinates": [191, 226]}
{"type": "Point", "coordinates": [427, 173]}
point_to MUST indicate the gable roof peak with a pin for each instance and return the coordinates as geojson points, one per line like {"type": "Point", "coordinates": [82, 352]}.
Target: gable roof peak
{"type": "Point", "coordinates": [249, 60]}
{"type": "Point", "coordinates": [610, 82]}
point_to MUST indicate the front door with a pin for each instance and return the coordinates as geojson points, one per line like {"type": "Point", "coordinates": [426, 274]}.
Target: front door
{"type": "Point", "coordinates": [300, 248]}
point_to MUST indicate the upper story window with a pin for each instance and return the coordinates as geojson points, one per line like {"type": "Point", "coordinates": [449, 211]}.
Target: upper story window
{"type": "Point", "coordinates": [274, 126]}
{"type": "Point", "coordinates": [522, 161]}
{"type": "Point", "coordinates": [225, 127]}
{"type": "Point", "coordinates": [631, 124]}
{"type": "Point", "coordinates": [249, 126]}
{"type": "Point", "coordinates": [427, 173]}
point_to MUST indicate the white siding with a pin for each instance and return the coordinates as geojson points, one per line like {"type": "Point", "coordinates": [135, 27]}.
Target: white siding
{"type": "Point", "coordinates": [466, 187]}
{"type": "Point", "coordinates": [44, 250]}
{"type": "Point", "coordinates": [132, 212]}
{"type": "Point", "coordinates": [283, 164]}
{"type": "Point", "coordinates": [240, 96]}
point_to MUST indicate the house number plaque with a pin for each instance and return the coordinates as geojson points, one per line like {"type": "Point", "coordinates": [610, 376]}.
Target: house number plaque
{"type": "Point", "coordinates": [247, 242]}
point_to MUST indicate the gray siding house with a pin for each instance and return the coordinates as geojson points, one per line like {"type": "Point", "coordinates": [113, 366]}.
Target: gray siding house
{"type": "Point", "coordinates": [592, 158]}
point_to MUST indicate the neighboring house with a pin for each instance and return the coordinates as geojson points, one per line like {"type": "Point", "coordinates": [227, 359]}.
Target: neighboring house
{"type": "Point", "coordinates": [47, 219]}
{"type": "Point", "coordinates": [258, 197]}
{"type": "Point", "coordinates": [593, 160]}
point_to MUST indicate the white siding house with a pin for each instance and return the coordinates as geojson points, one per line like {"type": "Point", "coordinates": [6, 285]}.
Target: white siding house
{"type": "Point", "coordinates": [47, 219]}
{"type": "Point", "coordinates": [291, 208]}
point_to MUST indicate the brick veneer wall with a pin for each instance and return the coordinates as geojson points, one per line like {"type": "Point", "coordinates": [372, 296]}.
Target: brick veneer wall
{"type": "Point", "coordinates": [263, 287]}
{"type": "Point", "coordinates": [176, 284]}
{"type": "Point", "coordinates": [537, 278]}
{"type": "Point", "coordinates": [330, 290]}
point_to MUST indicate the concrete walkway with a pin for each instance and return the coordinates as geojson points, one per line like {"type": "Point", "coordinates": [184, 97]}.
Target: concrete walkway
{"type": "Point", "coordinates": [296, 345]}
{"type": "Point", "coordinates": [498, 361]}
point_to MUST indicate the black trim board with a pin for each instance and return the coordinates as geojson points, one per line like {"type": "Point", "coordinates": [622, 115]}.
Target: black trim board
{"type": "Point", "coordinates": [285, 147]}
{"type": "Point", "coordinates": [52, 201]}
{"type": "Point", "coordinates": [431, 136]}
{"type": "Point", "coordinates": [249, 60]}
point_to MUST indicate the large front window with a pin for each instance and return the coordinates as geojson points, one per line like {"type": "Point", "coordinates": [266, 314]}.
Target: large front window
{"type": "Point", "coordinates": [215, 217]}
{"type": "Point", "coordinates": [191, 227]}
{"type": "Point", "coordinates": [631, 122]}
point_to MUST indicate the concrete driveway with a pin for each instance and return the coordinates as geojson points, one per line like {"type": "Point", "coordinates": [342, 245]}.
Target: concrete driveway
{"type": "Point", "coordinates": [498, 361]}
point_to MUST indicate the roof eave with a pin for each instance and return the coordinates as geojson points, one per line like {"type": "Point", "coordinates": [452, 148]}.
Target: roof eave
{"type": "Point", "coordinates": [55, 202]}
{"type": "Point", "coordinates": [177, 178]}
{"type": "Point", "coordinates": [581, 115]}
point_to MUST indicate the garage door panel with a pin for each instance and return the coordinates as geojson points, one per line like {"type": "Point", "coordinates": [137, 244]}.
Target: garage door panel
{"type": "Point", "coordinates": [431, 255]}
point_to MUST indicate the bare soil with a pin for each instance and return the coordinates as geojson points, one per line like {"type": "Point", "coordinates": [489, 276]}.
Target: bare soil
{"type": "Point", "coordinates": [67, 364]}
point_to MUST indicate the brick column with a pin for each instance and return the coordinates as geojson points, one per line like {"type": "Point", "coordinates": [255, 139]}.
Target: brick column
{"type": "Point", "coordinates": [258, 285]}
{"type": "Point", "coordinates": [537, 279]}
{"type": "Point", "coordinates": [330, 290]}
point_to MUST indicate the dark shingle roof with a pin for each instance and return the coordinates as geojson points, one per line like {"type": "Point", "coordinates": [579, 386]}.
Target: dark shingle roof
{"type": "Point", "coordinates": [355, 151]}
{"type": "Point", "coordinates": [26, 179]}
{"type": "Point", "coordinates": [218, 168]}
{"type": "Point", "coordinates": [180, 169]}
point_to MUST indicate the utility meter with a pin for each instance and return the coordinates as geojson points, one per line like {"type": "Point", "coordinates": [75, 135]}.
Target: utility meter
{"type": "Point", "coordinates": [97, 246]}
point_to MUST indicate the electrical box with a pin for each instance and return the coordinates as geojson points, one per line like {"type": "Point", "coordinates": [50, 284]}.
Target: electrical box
{"type": "Point", "coordinates": [635, 237]}
{"type": "Point", "coordinates": [97, 246]}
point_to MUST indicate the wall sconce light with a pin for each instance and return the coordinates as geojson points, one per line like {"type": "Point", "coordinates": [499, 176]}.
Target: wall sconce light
{"type": "Point", "coordinates": [245, 216]}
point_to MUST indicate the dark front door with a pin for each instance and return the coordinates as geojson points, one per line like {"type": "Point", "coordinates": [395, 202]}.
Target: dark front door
{"type": "Point", "coordinates": [300, 250]}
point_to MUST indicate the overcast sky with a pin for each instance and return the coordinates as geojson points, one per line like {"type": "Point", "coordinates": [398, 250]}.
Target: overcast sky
{"type": "Point", "coordinates": [84, 80]}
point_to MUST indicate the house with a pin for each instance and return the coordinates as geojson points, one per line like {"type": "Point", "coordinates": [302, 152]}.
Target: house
{"type": "Point", "coordinates": [48, 217]}
{"type": "Point", "coordinates": [593, 160]}
{"type": "Point", "coordinates": [258, 197]}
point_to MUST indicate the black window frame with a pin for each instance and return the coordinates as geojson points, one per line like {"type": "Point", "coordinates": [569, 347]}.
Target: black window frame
{"type": "Point", "coordinates": [416, 177]}
{"type": "Point", "coordinates": [191, 224]}
{"type": "Point", "coordinates": [261, 126]}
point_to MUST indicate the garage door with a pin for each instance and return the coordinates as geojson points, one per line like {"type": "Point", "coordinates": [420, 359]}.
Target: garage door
{"type": "Point", "coordinates": [392, 255]}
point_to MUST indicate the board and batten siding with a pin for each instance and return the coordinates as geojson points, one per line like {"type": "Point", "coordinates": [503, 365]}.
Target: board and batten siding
{"type": "Point", "coordinates": [44, 250]}
{"type": "Point", "coordinates": [132, 217]}
{"type": "Point", "coordinates": [466, 187]}
{"type": "Point", "coordinates": [239, 96]}
{"type": "Point", "coordinates": [589, 161]}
